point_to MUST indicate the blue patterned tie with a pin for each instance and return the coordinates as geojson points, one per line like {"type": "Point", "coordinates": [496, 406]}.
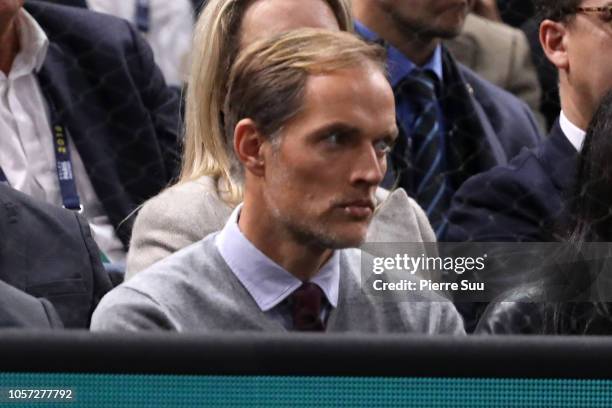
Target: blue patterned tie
{"type": "Point", "coordinates": [427, 155]}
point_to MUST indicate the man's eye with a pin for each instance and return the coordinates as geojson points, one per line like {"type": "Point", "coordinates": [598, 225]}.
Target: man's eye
{"type": "Point", "coordinates": [383, 146]}
{"type": "Point", "coordinates": [335, 138]}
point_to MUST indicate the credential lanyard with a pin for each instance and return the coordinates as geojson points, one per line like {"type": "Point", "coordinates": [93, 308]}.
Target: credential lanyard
{"type": "Point", "coordinates": [63, 162]}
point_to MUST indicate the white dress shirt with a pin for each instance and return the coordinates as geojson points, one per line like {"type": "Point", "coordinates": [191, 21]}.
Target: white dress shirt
{"type": "Point", "coordinates": [169, 35]}
{"type": "Point", "coordinates": [27, 154]}
{"type": "Point", "coordinates": [574, 134]}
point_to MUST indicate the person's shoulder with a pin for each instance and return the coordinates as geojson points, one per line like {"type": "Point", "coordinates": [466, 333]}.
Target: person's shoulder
{"type": "Point", "coordinates": [76, 26]}
{"type": "Point", "coordinates": [20, 204]}
{"type": "Point", "coordinates": [184, 203]}
{"type": "Point", "coordinates": [524, 176]}
{"type": "Point", "coordinates": [399, 218]}
{"type": "Point", "coordinates": [505, 203]}
{"type": "Point", "coordinates": [186, 196]}
{"type": "Point", "coordinates": [177, 217]}
{"type": "Point", "coordinates": [409, 304]}
{"type": "Point", "coordinates": [159, 296]}
{"type": "Point", "coordinates": [18, 309]}
{"type": "Point", "coordinates": [524, 172]}
{"type": "Point", "coordinates": [487, 93]}
{"type": "Point", "coordinates": [499, 104]}
{"type": "Point", "coordinates": [490, 30]}
{"type": "Point", "coordinates": [185, 265]}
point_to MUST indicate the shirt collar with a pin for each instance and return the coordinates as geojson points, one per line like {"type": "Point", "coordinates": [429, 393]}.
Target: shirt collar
{"type": "Point", "coordinates": [34, 44]}
{"type": "Point", "coordinates": [398, 64]}
{"type": "Point", "coordinates": [266, 281]}
{"type": "Point", "coordinates": [574, 134]}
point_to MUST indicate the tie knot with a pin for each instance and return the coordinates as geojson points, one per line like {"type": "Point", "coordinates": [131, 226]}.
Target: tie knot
{"type": "Point", "coordinates": [306, 304]}
{"type": "Point", "coordinates": [419, 84]}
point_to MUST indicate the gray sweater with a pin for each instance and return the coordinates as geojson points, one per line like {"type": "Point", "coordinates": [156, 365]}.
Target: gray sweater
{"type": "Point", "coordinates": [195, 290]}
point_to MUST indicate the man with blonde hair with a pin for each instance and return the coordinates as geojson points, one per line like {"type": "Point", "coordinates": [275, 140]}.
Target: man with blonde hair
{"type": "Point", "coordinates": [207, 188]}
{"type": "Point", "coordinates": [311, 118]}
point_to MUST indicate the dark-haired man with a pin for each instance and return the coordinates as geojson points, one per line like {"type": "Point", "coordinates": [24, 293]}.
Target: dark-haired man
{"type": "Point", "coordinates": [454, 124]}
{"type": "Point", "coordinates": [524, 201]}
{"type": "Point", "coordinates": [311, 117]}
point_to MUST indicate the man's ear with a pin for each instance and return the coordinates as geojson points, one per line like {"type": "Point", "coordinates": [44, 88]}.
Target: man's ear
{"type": "Point", "coordinates": [248, 142]}
{"type": "Point", "coordinates": [553, 36]}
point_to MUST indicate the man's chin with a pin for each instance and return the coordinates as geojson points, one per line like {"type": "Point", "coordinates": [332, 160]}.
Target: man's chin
{"type": "Point", "coordinates": [337, 244]}
{"type": "Point", "coordinates": [346, 239]}
{"type": "Point", "coordinates": [332, 233]}
{"type": "Point", "coordinates": [448, 35]}
{"type": "Point", "coordinates": [449, 26]}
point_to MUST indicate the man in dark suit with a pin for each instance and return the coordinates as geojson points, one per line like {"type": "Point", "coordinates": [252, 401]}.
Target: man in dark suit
{"type": "Point", "coordinates": [454, 123]}
{"type": "Point", "coordinates": [95, 77]}
{"type": "Point", "coordinates": [48, 252]}
{"type": "Point", "coordinates": [526, 200]}
{"type": "Point", "coordinates": [20, 310]}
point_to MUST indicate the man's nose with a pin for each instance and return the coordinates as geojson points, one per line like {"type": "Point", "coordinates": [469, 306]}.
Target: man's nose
{"type": "Point", "coordinates": [369, 167]}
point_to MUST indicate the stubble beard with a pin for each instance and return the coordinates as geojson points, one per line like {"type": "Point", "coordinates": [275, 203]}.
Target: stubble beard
{"type": "Point", "coordinates": [314, 234]}
{"type": "Point", "coordinates": [423, 31]}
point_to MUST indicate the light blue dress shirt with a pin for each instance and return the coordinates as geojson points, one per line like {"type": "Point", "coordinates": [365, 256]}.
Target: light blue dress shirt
{"type": "Point", "coordinates": [399, 67]}
{"type": "Point", "coordinates": [267, 282]}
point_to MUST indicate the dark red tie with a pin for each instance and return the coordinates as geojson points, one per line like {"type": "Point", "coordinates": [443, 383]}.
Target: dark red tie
{"type": "Point", "coordinates": [306, 303]}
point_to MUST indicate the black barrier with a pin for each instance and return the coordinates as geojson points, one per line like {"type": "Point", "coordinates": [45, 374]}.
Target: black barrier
{"type": "Point", "coordinates": [307, 355]}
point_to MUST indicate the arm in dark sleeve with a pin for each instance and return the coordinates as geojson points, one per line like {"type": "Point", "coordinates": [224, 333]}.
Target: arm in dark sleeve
{"type": "Point", "coordinates": [20, 310]}
{"type": "Point", "coordinates": [505, 204]}
{"type": "Point", "coordinates": [162, 102]}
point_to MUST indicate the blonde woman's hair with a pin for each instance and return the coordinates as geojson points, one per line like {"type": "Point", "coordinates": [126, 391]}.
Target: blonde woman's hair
{"type": "Point", "coordinates": [216, 42]}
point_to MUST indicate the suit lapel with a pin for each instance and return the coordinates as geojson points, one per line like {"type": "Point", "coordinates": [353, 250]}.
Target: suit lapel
{"type": "Point", "coordinates": [472, 144]}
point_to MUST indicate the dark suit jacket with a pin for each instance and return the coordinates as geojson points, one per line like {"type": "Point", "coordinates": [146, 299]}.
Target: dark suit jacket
{"type": "Point", "coordinates": [487, 126]}
{"type": "Point", "coordinates": [111, 96]}
{"type": "Point", "coordinates": [18, 309]}
{"type": "Point", "coordinates": [522, 201]}
{"type": "Point", "coordinates": [49, 252]}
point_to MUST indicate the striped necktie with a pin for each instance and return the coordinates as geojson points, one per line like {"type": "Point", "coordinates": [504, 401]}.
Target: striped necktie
{"type": "Point", "coordinates": [427, 153]}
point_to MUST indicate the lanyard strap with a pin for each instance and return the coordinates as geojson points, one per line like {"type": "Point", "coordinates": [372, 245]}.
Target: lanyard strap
{"type": "Point", "coordinates": [63, 162]}
{"type": "Point", "coordinates": [143, 15]}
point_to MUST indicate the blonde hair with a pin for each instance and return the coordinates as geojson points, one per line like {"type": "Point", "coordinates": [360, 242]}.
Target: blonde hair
{"type": "Point", "coordinates": [216, 39]}
{"type": "Point", "coordinates": [268, 80]}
